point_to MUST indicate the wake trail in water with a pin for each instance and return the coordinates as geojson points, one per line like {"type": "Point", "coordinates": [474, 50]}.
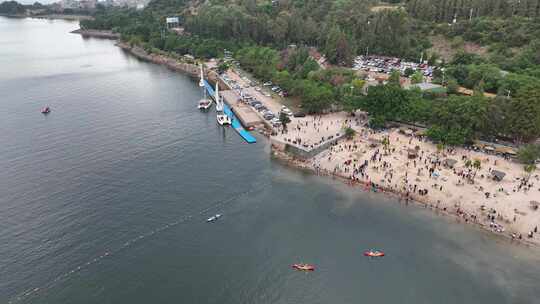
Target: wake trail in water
{"type": "Point", "coordinates": [108, 253]}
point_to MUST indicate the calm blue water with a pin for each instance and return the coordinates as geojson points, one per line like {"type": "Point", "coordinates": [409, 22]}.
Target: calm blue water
{"type": "Point", "coordinates": [104, 200]}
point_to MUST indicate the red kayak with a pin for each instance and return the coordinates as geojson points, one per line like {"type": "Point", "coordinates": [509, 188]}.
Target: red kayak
{"type": "Point", "coordinates": [46, 110]}
{"type": "Point", "coordinates": [303, 267]}
{"type": "Point", "coordinates": [374, 253]}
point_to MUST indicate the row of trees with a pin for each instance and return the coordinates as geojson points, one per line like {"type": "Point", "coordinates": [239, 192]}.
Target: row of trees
{"type": "Point", "coordinates": [447, 10]}
{"type": "Point", "coordinates": [457, 119]}
{"type": "Point", "coordinates": [15, 8]}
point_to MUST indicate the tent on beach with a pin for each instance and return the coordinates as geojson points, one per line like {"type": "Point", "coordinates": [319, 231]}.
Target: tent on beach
{"type": "Point", "coordinates": [374, 142]}
{"type": "Point", "coordinates": [412, 153]}
{"type": "Point", "coordinates": [497, 175]}
{"type": "Point", "coordinates": [450, 162]}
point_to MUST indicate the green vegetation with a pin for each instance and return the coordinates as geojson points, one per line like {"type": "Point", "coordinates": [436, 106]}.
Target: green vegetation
{"type": "Point", "coordinates": [529, 154]}
{"type": "Point", "coordinates": [12, 8]}
{"type": "Point", "coordinates": [349, 132]}
{"type": "Point", "coordinates": [284, 119]}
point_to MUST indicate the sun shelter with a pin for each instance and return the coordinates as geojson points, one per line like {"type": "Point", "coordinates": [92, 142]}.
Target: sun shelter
{"type": "Point", "coordinates": [497, 175]}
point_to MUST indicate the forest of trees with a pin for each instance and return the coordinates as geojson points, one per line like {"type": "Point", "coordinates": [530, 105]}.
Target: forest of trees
{"type": "Point", "coordinates": [12, 8]}
{"type": "Point", "coordinates": [447, 10]}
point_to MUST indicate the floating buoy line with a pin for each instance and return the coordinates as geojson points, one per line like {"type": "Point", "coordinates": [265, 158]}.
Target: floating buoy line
{"type": "Point", "coordinates": [107, 253]}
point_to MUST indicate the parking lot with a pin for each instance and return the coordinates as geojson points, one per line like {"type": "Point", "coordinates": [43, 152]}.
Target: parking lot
{"type": "Point", "coordinates": [381, 64]}
{"type": "Point", "coordinates": [261, 98]}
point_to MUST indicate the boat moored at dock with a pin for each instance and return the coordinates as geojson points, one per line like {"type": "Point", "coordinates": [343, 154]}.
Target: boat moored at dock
{"type": "Point", "coordinates": [205, 103]}
{"type": "Point", "coordinates": [234, 121]}
{"type": "Point", "coordinates": [222, 118]}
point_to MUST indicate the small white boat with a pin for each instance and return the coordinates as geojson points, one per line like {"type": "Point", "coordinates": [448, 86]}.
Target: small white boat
{"type": "Point", "coordinates": [204, 104]}
{"type": "Point", "coordinates": [213, 218]}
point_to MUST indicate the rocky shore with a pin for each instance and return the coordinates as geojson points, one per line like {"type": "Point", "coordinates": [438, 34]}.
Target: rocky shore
{"type": "Point", "coordinates": [171, 63]}
{"type": "Point", "coordinates": [97, 34]}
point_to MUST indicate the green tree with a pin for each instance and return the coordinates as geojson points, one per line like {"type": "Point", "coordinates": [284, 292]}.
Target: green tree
{"type": "Point", "coordinates": [417, 77]}
{"type": "Point", "coordinates": [524, 113]}
{"type": "Point", "coordinates": [284, 119]}
{"type": "Point", "coordinates": [529, 154]}
{"type": "Point", "coordinates": [349, 132]}
{"type": "Point", "coordinates": [394, 78]}
{"type": "Point", "coordinates": [386, 101]}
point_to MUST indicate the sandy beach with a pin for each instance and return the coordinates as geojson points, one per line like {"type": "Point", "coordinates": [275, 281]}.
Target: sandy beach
{"type": "Point", "coordinates": [414, 169]}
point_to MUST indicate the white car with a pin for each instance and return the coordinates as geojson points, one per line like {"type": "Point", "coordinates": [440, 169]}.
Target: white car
{"type": "Point", "coordinates": [267, 95]}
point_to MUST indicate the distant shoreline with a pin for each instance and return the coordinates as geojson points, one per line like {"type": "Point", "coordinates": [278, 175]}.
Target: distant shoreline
{"type": "Point", "coordinates": [63, 17]}
{"type": "Point", "coordinates": [50, 16]}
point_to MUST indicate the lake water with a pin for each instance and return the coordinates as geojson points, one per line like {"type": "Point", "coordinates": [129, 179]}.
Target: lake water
{"type": "Point", "coordinates": [104, 200]}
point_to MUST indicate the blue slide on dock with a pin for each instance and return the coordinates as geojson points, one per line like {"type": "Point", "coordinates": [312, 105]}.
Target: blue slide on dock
{"type": "Point", "coordinates": [235, 121]}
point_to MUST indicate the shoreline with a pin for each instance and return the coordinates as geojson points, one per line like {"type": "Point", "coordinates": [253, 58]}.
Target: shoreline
{"type": "Point", "coordinates": [50, 17]}
{"type": "Point", "coordinates": [299, 164]}
{"type": "Point", "coordinates": [63, 17]}
{"type": "Point", "coordinates": [97, 34]}
{"type": "Point", "coordinates": [304, 164]}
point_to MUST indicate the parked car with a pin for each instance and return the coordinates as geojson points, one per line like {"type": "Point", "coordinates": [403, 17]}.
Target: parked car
{"type": "Point", "coordinates": [267, 84]}
{"type": "Point", "coordinates": [299, 114]}
{"type": "Point", "coordinates": [267, 94]}
{"type": "Point", "coordinates": [268, 116]}
{"type": "Point", "coordinates": [287, 112]}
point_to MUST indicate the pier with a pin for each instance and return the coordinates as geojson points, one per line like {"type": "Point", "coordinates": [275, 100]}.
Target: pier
{"type": "Point", "coordinates": [237, 126]}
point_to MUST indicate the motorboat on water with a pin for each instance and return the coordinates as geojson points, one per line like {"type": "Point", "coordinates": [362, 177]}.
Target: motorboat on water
{"type": "Point", "coordinates": [303, 267]}
{"type": "Point", "coordinates": [46, 110]}
{"type": "Point", "coordinates": [213, 218]}
{"type": "Point", "coordinates": [222, 118]}
{"type": "Point", "coordinates": [205, 103]}
{"type": "Point", "coordinates": [374, 253]}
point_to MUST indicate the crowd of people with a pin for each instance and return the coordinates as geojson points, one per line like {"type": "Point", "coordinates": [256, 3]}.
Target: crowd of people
{"type": "Point", "coordinates": [415, 169]}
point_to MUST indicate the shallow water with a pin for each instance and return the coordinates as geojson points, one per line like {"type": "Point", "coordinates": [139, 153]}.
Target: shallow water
{"type": "Point", "coordinates": [105, 199]}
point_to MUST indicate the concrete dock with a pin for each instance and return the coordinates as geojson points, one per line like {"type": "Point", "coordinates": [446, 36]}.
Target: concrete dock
{"type": "Point", "coordinates": [245, 114]}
